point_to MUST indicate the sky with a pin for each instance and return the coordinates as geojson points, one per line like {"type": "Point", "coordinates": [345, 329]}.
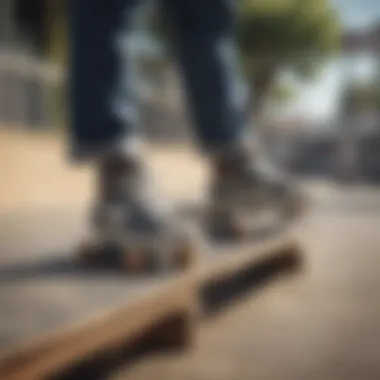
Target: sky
{"type": "Point", "coordinates": [319, 100]}
{"type": "Point", "coordinates": [358, 13]}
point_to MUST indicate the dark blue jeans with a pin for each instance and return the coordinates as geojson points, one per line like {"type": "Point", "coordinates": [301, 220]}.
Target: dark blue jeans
{"type": "Point", "coordinates": [103, 81]}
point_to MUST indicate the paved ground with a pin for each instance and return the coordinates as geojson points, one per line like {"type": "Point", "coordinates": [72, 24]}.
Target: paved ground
{"type": "Point", "coordinates": [35, 173]}
{"type": "Point", "coordinates": [322, 324]}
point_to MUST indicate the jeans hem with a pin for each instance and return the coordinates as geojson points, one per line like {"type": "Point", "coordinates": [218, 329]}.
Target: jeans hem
{"type": "Point", "coordinates": [84, 152]}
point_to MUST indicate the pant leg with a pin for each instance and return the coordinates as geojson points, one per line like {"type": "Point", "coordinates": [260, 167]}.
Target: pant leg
{"type": "Point", "coordinates": [102, 89]}
{"type": "Point", "coordinates": [205, 40]}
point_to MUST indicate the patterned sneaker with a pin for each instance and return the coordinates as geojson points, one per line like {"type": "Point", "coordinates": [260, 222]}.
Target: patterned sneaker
{"type": "Point", "coordinates": [244, 184]}
{"type": "Point", "coordinates": [128, 217]}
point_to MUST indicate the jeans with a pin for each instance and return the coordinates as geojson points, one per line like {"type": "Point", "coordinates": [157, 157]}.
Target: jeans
{"type": "Point", "coordinates": [103, 84]}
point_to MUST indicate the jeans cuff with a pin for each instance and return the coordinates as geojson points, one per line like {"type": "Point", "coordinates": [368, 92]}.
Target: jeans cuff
{"type": "Point", "coordinates": [244, 141]}
{"type": "Point", "coordinates": [87, 152]}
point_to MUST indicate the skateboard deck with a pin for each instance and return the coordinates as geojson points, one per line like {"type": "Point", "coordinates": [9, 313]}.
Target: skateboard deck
{"type": "Point", "coordinates": [55, 312]}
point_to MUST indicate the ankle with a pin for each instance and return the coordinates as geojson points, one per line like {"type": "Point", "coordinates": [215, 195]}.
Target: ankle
{"type": "Point", "coordinates": [118, 175]}
{"type": "Point", "coordinates": [119, 164]}
{"type": "Point", "coordinates": [232, 162]}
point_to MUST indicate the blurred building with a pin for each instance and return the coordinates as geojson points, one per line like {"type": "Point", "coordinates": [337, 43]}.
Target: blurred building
{"type": "Point", "coordinates": [359, 141]}
{"type": "Point", "coordinates": [28, 77]}
{"type": "Point", "coordinates": [348, 149]}
{"type": "Point", "coordinates": [33, 44]}
{"type": "Point", "coordinates": [329, 151]}
{"type": "Point", "coordinates": [362, 40]}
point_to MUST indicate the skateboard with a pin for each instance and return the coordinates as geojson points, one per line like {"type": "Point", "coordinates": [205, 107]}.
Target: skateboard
{"type": "Point", "coordinates": [55, 313]}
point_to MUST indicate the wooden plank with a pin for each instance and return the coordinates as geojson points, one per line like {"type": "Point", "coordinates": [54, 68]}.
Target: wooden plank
{"type": "Point", "coordinates": [227, 259]}
{"type": "Point", "coordinates": [51, 353]}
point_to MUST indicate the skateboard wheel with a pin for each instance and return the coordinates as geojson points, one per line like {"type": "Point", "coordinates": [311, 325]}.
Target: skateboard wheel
{"type": "Point", "coordinates": [133, 260]}
{"type": "Point", "coordinates": [185, 256]}
{"type": "Point", "coordinates": [292, 257]}
{"type": "Point", "coordinates": [88, 252]}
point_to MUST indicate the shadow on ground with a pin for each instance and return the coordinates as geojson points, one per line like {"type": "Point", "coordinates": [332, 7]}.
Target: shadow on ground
{"type": "Point", "coordinates": [64, 267]}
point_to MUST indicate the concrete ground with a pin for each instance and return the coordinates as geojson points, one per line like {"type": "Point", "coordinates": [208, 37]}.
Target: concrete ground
{"type": "Point", "coordinates": [323, 323]}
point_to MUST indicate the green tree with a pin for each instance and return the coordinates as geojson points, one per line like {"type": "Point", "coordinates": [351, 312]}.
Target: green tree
{"type": "Point", "coordinates": [276, 35]}
{"type": "Point", "coordinates": [56, 14]}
